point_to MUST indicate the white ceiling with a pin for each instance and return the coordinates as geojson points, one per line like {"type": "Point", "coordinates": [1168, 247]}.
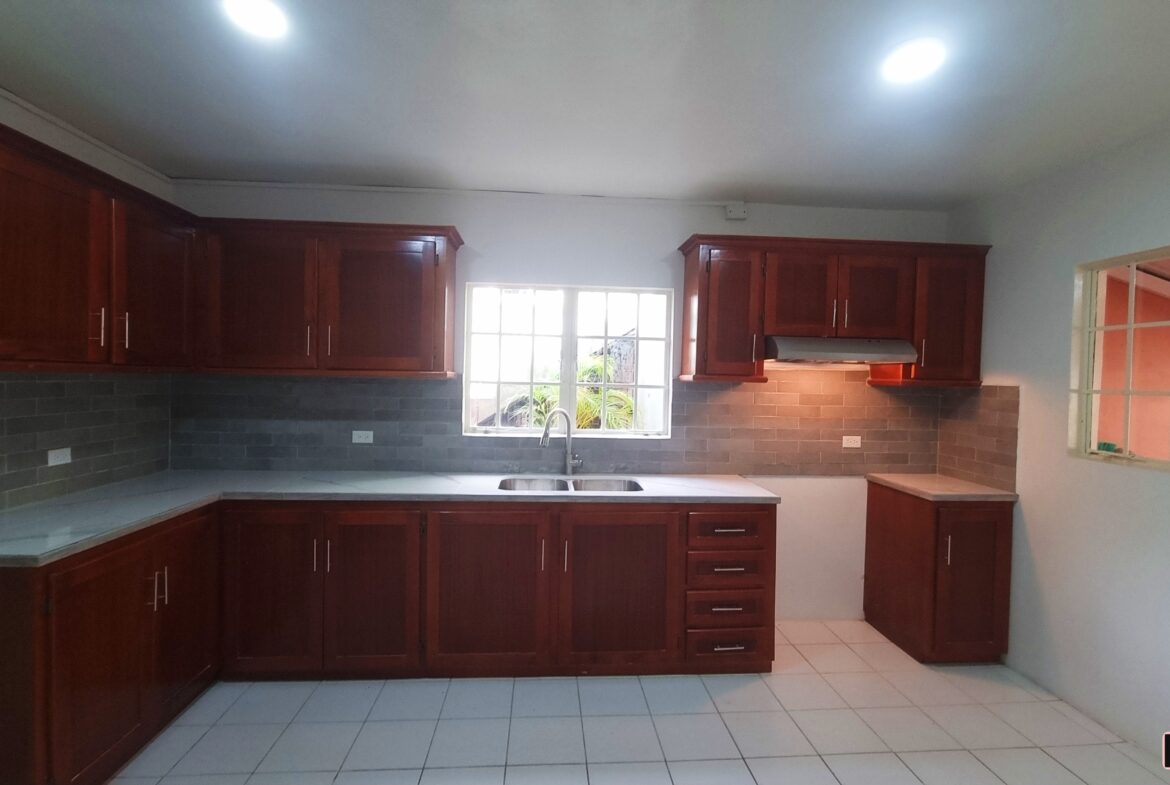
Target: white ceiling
{"type": "Point", "coordinates": [759, 100]}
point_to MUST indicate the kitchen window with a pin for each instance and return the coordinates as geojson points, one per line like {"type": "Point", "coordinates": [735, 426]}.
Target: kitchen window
{"type": "Point", "coordinates": [1121, 364]}
{"type": "Point", "coordinates": [600, 354]}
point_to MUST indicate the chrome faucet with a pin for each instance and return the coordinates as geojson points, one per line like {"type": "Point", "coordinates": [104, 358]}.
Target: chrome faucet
{"type": "Point", "coordinates": [571, 461]}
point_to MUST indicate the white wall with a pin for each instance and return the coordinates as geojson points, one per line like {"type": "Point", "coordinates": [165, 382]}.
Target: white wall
{"type": "Point", "coordinates": [1091, 565]}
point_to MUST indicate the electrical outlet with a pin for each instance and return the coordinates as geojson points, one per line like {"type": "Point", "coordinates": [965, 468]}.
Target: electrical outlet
{"type": "Point", "coordinates": [63, 455]}
{"type": "Point", "coordinates": [851, 441]}
{"type": "Point", "coordinates": [363, 437]}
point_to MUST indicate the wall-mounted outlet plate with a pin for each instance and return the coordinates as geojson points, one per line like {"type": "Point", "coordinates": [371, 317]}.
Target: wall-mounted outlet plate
{"type": "Point", "coordinates": [363, 437]}
{"type": "Point", "coordinates": [851, 441]}
{"type": "Point", "coordinates": [58, 457]}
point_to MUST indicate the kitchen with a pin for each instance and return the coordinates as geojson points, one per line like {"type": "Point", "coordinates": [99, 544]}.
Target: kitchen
{"type": "Point", "coordinates": [1084, 582]}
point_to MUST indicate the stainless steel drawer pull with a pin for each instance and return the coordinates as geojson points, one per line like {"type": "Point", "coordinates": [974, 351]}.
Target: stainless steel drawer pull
{"type": "Point", "coordinates": [731, 531]}
{"type": "Point", "coordinates": [542, 554]}
{"type": "Point", "coordinates": [729, 569]}
{"type": "Point", "coordinates": [735, 647]}
{"type": "Point", "coordinates": [101, 339]}
{"type": "Point", "coordinates": [727, 609]}
{"type": "Point", "coordinates": [566, 555]}
{"type": "Point", "coordinates": [329, 556]}
{"type": "Point", "coordinates": [166, 585]}
{"type": "Point", "coordinates": [154, 594]}
{"type": "Point", "coordinates": [314, 555]}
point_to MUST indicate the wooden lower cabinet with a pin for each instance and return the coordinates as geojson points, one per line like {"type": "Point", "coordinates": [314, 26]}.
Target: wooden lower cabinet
{"type": "Point", "coordinates": [938, 575]}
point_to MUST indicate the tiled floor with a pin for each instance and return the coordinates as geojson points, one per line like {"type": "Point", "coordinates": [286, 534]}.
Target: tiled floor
{"type": "Point", "coordinates": [842, 707]}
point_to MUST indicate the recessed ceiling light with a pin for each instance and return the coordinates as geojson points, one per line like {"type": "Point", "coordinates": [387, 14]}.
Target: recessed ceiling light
{"type": "Point", "coordinates": [914, 60]}
{"type": "Point", "coordinates": [261, 18]}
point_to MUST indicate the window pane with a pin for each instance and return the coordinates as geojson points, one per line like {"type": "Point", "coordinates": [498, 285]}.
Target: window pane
{"type": "Point", "coordinates": [591, 313]}
{"type": "Point", "coordinates": [652, 317]}
{"type": "Point", "coordinates": [1152, 299]}
{"type": "Point", "coordinates": [481, 405]}
{"type": "Point", "coordinates": [545, 398]}
{"type": "Point", "coordinates": [1113, 295]}
{"type": "Point", "coordinates": [515, 358]}
{"type": "Point", "coordinates": [591, 361]}
{"type": "Point", "coordinates": [623, 314]}
{"type": "Point", "coordinates": [1109, 372]}
{"type": "Point", "coordinates": [1149, 427]}
{"type": "Point", "coordinates": [516, 311]}
{"type": "Point", "coordinates": [485, 309]}
{"type": "Point", "coordinates": [1108, 432]}
{"type": "Point", "coordinates": [652, 362]}
{"type": "Point", "coordinates": [547, 360]}
{"type": "Point", "coordinates": [620, 352]}
{"type": "Point", "coordinates": [550, 312]}
{"type": "Point", "coordinates": [484, 358]}
{"type": "Point", "coordinates": [1151, 359]}
{"type": "Point", "coordinates": [650, 410]}
{"type": "Point", "coordinates": [589, 400]}
{"type": "Point", "coordinates": [618, 414]}
{"type": "Point", "coordinates": [515, 406]}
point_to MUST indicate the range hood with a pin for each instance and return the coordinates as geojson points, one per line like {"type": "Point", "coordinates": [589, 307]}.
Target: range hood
{"type": "Point", "coordinates": [839, 350]}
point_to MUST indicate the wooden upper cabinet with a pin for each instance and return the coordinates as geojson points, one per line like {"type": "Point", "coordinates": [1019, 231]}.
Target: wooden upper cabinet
{"type": "Point", "coordinates": [152, 287]}
{"type": "Point", "coordinates": [378, 303]}
{"type": "Point", "coordinates": [800, 294]}
{"type": "Point", "coordinates": [948, 324]}
{"type": "Point", "coordinates": [875, 296]}
{"type": "Point", "coordinates": [54, 265]}
{"type": "Point", "coordinates": [729, 342]}
{"type": "Point", "coordinates": [261, 298]}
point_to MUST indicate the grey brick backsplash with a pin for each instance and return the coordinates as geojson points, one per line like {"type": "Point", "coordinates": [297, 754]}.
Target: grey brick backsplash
{"type": "Point", "coordinates": [978, 435]}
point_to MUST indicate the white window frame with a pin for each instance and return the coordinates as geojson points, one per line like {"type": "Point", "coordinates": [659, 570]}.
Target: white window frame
{"type": "Point", "coordinates": [568, 383]}
{"type": "Point", "coordinates": [1085, 395]}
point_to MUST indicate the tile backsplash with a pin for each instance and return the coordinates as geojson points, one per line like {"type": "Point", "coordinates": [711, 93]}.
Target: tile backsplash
{"type": "Point", "coordinates": [978, 431]}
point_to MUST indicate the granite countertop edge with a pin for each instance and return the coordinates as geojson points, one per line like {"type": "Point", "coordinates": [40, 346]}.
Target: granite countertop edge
{"type": "Point", "coordinates": [941, 488]}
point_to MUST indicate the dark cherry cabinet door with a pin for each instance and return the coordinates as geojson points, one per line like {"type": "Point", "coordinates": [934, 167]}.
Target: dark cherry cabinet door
{"type": "Point", "coordinates": [186, 626]}
{"type": "Point", "coordinates": [620, 594]}
{"type": "Point", "coordinates": [800, 294]}
{"type": "Point", "coordinates": [372, 591]}
{"type": "Point", "coordinates": [261, 306]}
{"type": "Point", "coordinates": [948, 324]}
{"type": "Point", "coordinates": [875, 297]}
{"type": "Point", "coordinates": [731, 337]}
{"type": "Point", "coordinates": [487, 595]}
{"type": "Point", "coordinates": [152, 312]}
{"type": "Point", "coordinates": [99, 637]}
{"type": "Point", "coordinates": [378, 303]}
{"type": "Point", "coordinates": [54, 265]}
{"type": "Point", "coordinates": [974, 564]}
{"type": "Point", "coordinates": [274, 565]}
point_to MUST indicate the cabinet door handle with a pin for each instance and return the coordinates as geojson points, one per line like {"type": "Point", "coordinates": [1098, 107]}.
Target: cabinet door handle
{"type": "Point", "coordinates": [314, 555]}
{"type": "Point", "coordinates": [328, 340]}
{"type": "Point", "coordinates": [846, 312]}
{"type": "Point", "coordinates": [308, 339]}
{"type": "Point", "coordinates": [542, 554]}
{"type": "Point", "coordinates": [834, 313]}
{"type": "Point", "coordinates": [126, 330]}
{"type": "Point", "coordinates": [948, 550]}
{"type": "Point", "coordinates": [101, 339]}
{"type": "Point", "coordinates": [731, 531]}
{"type": "Point", "coordinates": [566, 555]}
{"type": "Point", "coordinates": [154, 593]}
{"type": "Point", "coordinates": [329, 555]}
{"type": "Point", "coordinates": [727, 609]}
{"type": "Point", "coordinates": [734, 647]}
{"type": "Point", "coordinates": [754, 337]}
{"type": "Point", "coordinates": [728, 569]}
{"type": "Point", "coordinates": [166, 586]}
{"type": "Point", "coordinates": [922, 361]}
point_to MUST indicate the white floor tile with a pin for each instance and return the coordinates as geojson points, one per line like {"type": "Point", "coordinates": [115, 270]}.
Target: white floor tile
{"type": "Point", "coordinates": [873, 769]}
{"type": "Point", "coordinates": [133, 781]}
{"type": "Point", "coordinates": [833, 731]}
{"type": "Point", "coordinates": [924, 687]}
{"type": "Point", "coordinates": [545, 698]}
{"type": "Point", "coordinates": [799, 632]}
{"type": "Point", "coordinates": [1030, 766]}
{"type": "Point", "coordinates": [292, 778]}
{"type": "Point", "coordinates": [225, 749]}
{"type": "Point", "coordinates": [161, 755]}
{"type": "Point", "coordinates": [398, 744]}
{"type": "Point", "coordinates": [791, 771]}
{"type": "Point", "coordinates": [676, 695]}
{"type": "Point", "coordinates": [853, 631]}
{"type": "Point", "coordinates": [866, 690]}
{"type": "Point", "coordinates": [202, 779]}
{"type": "Point", "coordinates": [481, 775]}
{"type": "Point", "coordinates": [974, 727]}
{"type": "Point", "coordinates": [1042, 724]}
{"type": "Point", "coordinates": [833, 658]}
{"type": "Point", "coordinates": [883, 657]}
{"type": "Point", "coordinates": [628, 774]}
{"type": "Point", "coordinates": [949, 768]}
{"type": "Point", "coordinates": [907, 730]}
{"type": "Point", "coordinates": [470, 742]}
{"type": "Point", "coordinates": [987, 683]}
{"type": "Point", "coordinates": [710, 772]}
{"type": "Point", "coordinates": [478, 699]}
{"type": "Point", "coordinates": [694, 737]}
{"type": "Point", "coordinates": [211, 705]}
{"type": "Point", "coordinates": [605, 696]}
{"type": "Point", "coordinates": [740, 693]}
{"type": "Point", "coordinates": [546, 740]}
{"type": "Point", "coordinates": [264, 703]}
{"type": "Point", "coordinates": [546, 775]}
{"type": "Point", "coordinates": [1147, 760]}
{"type": "Point", "coordinates": [788, 660]}
{"type": "Point", "coordinates": [311, 746]}
{"type": "Point", "coordinates": [767, 735]}
{"type": "Point", "coordinates": [1100, 731]}
{"type": "Point", "coordinates": [341, 701]}
{"type": "Point", "coordinates": [415, 699]}
{"type": "Point", "coordinates": [1102, 765]}
{"type": "Point", "coordinates": [620, 740]}
{"type": "Point", "coordinates": [385, 777]}
{"type": "Point", "coordinates": [799, 691]}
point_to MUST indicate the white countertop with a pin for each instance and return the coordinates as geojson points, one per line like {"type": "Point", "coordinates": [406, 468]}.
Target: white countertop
{"type": "Point", "coordinates": [940, 488]}
{"type": "Point", "coordinates": [40, 533]}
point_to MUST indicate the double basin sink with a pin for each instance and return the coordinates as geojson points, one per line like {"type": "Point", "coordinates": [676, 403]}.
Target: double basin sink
{"type": "Point", "coordinates": [560, 484]}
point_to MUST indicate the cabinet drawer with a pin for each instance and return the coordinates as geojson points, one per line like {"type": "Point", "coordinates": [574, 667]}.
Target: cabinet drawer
{"type": "Point", "coordinates": [727, 608]}
{"type": "Point", "coordinates": [727, 569]}
{"type": "Point", "coordinates": [756, 643]}
{"type": "Point", "coordinates": [738, 530]}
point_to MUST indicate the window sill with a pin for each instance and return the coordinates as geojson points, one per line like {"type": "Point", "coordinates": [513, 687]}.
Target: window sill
{"type": "Point", "coordinates": [1117, 459]}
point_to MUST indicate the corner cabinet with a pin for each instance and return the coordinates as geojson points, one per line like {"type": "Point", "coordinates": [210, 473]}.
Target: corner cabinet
{"type": "Point", "coordinates": [938, 575]}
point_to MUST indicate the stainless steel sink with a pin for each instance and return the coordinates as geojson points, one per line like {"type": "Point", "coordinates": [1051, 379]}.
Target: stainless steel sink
{"type": "Point", "coordinates": [606, 484]}
{"type": "Point", "coordinates": [533, 484]}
